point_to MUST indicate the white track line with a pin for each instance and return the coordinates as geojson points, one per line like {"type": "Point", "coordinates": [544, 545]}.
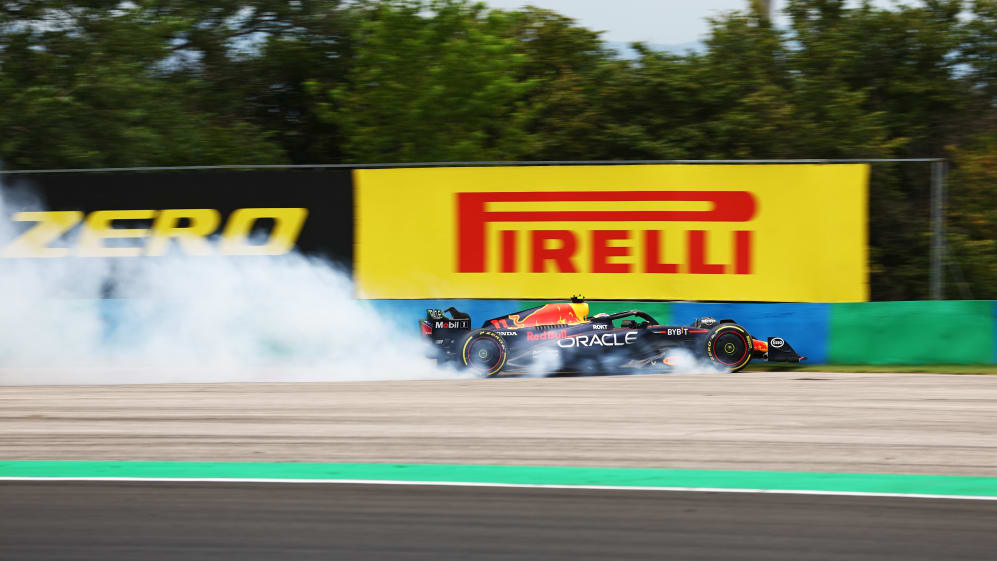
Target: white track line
{"type": "Point", "coordinates": [507, 485]}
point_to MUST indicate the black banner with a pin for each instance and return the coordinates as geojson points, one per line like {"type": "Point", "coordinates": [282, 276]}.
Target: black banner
{"type": "Point", "coordinates": [150, 214]}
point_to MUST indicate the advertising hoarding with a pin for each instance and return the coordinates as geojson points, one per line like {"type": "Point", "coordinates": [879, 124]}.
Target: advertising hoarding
{"type": "Point", "coordinates": [785, 233]}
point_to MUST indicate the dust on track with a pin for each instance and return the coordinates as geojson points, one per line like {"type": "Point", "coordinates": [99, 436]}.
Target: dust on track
{"type": "Point", "coordinates": [875, 423]}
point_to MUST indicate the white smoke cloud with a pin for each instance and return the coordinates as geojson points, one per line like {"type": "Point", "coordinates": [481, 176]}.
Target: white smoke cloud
{"type": "Point", "coordinates": [544, 363]}
{"type": "Point", "coordinates": [179, 318]}
{"type": "Point", "coordinates": [679, 361]}
{"type": "Point", "coordinates": [685, 362]}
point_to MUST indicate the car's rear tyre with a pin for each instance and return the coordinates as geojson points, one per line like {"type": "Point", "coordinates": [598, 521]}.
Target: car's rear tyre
{"type": "Point", "coordinates": [484, 352]}
{"type": "Point", "coordinates": [729, 347]}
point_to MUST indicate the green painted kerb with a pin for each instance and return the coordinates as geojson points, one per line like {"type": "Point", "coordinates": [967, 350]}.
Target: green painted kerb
{"type": "Point", "coordinates": [617, 477]}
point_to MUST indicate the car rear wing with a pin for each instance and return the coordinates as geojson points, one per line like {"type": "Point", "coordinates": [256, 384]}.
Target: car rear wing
{"type": "Point", "coordinates": [444, 328]}
{"type": "Point", "coordinates": [438, 325]}
{"type": "Point", "coordinates": [437, 319]}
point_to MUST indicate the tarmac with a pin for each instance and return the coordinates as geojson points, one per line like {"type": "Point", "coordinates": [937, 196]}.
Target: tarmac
{"type": "Point", "coordinates": [228, 521]}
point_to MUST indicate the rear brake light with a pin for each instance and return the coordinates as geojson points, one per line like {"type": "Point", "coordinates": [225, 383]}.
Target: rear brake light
{"type": "Point", "coordinates": [426, 329]}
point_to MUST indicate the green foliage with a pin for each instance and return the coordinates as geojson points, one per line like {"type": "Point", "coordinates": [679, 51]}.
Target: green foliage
{"type": "Point", "coordinates": [87, 86]}
{"type": "Point", "coordinates": [251, 61]}
{"type": "Point", "coordinates": [972, 216]}
{"type": "Point", "coordinates": [980, 44]}
{"type": "Point", "coordinates": [574, 75]}
{"type": "Point", "coordinates": [179, 82]}
{"type": "Point", "coordinates": [438, 87]}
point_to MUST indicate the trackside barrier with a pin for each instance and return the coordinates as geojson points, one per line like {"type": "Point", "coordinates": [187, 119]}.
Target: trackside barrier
{"type": "Point", "coordinates": [805, 326]}
{"type": "Point", "coordinates": [931, 332]}
{"type": "Point", "coordinates": [530, 232]}
{"type": "Point", "coordinates": [921, 332]}
{"type": "Point", "coordinates": [750, 233]}
{"type": "Point", "coordinates": [924, 332]}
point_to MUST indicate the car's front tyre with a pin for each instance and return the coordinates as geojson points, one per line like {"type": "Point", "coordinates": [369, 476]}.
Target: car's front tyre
{"type": "Point", "coordinates": [729, 347]}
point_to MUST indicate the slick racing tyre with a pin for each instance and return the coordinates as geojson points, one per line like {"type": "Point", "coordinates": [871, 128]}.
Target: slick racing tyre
{"type": "Point", "coordinates": [729, 347]}
{"type": "Point", "coordinates": [484, 352]}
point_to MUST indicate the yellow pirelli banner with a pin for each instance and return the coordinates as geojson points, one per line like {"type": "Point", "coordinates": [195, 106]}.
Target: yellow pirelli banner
{"type": "Point", "coordinates": [782, 233]}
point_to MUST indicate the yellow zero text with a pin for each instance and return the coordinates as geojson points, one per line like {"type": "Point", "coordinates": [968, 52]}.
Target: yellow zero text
{"type": "Point", "coordinates": [192, 230]}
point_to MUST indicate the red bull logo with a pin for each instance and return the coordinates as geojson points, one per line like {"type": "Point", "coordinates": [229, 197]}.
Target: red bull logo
{"type": "Point", "coordinates": [562, 313]}
{"type": "Point", "coordinates": [547, 335]}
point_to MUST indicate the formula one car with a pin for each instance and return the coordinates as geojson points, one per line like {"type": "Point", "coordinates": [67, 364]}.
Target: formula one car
{"type": "Point", "coordinates": [561, 334]}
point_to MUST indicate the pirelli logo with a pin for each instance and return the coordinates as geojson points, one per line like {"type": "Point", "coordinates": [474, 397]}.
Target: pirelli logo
{"type": "Point", "coordinates": [609, 250]}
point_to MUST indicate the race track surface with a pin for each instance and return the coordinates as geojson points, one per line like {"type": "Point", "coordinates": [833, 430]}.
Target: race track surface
{"type": "Point", "coordinates": [865, 423]}
{"type": "Point", "coordinates": [240, 522]}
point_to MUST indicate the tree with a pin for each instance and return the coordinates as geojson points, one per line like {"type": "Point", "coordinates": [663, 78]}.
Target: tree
{"type": "Point", "coordinates": [972, 215]}
{"type": "Point", "coordinates": [884, 83]}
{"type": "Point", "coordinates": [253, 61]}
{"type": "Point", "coordinates": [84, 87]}
{"type": "Point", "coordinates": [573, 74]}
{"type": "Point", "coordinates": [979, 56]}
{"type": "Point", "coordinates": [441, 86]}
{"type": "Point", "coordinates": [156, 82]}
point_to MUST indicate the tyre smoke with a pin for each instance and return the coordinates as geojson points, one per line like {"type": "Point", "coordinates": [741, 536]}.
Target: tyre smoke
{"type": "Point", "coordinates": [685, 362]}
{"type": "Point", "coordinates": [180, 318]}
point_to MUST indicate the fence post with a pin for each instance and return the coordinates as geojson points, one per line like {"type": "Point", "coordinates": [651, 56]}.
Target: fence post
{"type": "Point", "coordinates": [937, 229]}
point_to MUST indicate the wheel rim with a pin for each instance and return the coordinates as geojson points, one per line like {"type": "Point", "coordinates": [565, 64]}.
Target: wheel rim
{"type": "Point", "coordinates": [730, 348]}
{"type": "Point", "coordinates": [484, 353]}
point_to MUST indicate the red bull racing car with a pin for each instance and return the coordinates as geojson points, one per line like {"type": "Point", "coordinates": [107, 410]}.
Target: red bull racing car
{"type": "Point", "coordinates": [563, 335]}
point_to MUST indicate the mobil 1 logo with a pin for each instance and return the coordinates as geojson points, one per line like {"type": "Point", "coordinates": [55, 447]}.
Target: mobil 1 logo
{"type": "Point", "coordinates": [452, 324]}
